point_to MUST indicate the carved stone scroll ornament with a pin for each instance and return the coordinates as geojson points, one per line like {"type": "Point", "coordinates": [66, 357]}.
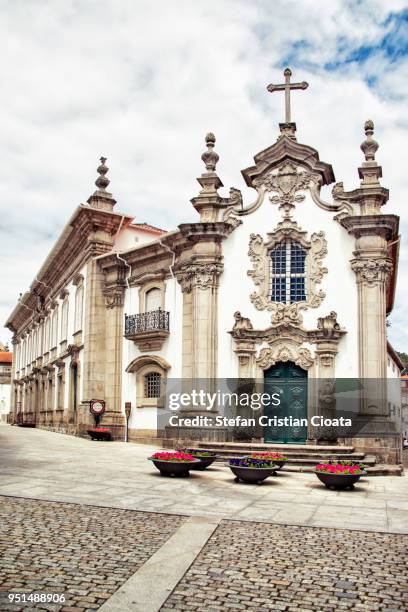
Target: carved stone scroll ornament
{"type": "Point", "coordinates": [341, 205]}
{"type": "Point", "coordinates": [241, 325]}
{"type": "Point", "coordinates": [301, 356]}
{"type": "Point", "coordinates": [201, 275]}
{"type": "Point", "coordinates": [372, 271]}
{"type": "Point", "coordinates": [259, 254]}
{"type": "Point", "coordinates": [287, 181]}
{"type": "Point", "coordinates": [114, 297]}
{"type": "Point", "coordinates": [328, 325]}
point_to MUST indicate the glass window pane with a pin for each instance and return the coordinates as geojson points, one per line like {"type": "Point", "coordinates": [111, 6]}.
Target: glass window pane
{"type": "Point", "coordinates": [152, 384]}
{"type": "Point", "coordinates": [287, 273]}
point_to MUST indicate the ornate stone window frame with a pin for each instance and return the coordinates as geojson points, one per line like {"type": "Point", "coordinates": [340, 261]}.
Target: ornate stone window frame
{"type": "Point", "coordinates": [141, 366]}
{"type": "Point", "coordinates": [64, 297]}
{"type": "Point", "coordinates": [259, 254]}
{"type": "Point", "coordinates": [79, 304]}
{"type": "Point", "coordinates": [145, 288]}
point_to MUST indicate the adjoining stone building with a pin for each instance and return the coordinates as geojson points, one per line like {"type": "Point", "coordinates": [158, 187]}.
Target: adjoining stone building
{"type": "Point", "coordinates": [287, 280]}
{"type": "Point", "coordinates": [6, 359]}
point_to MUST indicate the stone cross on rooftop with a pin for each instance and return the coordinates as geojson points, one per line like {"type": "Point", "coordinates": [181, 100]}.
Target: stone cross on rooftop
{"type": "Point", "coordinates": [286, 87]}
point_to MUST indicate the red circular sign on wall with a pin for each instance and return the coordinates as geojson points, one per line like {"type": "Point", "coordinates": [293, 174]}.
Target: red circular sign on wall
{"type": "Point", "coordinates": [97, 406]}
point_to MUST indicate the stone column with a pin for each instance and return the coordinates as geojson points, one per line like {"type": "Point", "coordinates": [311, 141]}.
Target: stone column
{"type": "Point", "coordinates": [199, 283]}
{"type": "Point", "coordinates": [114, 292]}
{"type": "Point", "coordinates": [93, 367]}
{"type": "Point", "coordinates": [373, 232]}
{"type": "Point", "coordinates": [371, 274]}
{"type": "Point", "coordinates": [14, 383]}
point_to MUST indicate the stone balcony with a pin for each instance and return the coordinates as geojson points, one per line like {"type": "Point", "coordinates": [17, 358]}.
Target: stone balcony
{"type": "Point", "coordinates": [148, 330]}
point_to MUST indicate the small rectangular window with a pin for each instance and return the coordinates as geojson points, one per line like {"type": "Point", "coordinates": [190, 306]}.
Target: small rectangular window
{"type": "Point", "coordinates": [152, 383]}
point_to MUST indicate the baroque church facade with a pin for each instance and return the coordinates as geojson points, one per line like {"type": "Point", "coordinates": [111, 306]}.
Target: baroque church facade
{"type": "Point", "coordinates": [245, 292]}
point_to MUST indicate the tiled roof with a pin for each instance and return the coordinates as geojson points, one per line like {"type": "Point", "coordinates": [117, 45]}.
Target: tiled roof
{"type": "Point", "coordinates": [149, 228]}
{"type": "Point", "coordinates": [6, 357]}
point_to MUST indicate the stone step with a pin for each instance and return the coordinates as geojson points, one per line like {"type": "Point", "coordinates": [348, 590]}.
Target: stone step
{"type": "Point", "coordinates": [249, 447]}
{"type": "Point", "coordinates": [315, 455]}
{"type": "Point", "coordinates": [312, 461]}
{"type": "Point", "coordinates": [376, 470]}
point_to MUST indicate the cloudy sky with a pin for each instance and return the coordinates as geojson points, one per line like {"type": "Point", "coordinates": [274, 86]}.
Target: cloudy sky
{"type": "Point", "coordinates": [141, 82]}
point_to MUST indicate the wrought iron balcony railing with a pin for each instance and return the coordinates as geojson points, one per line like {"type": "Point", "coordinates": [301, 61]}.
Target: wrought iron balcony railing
{"type": "Point", "coordinates": [155, 320]}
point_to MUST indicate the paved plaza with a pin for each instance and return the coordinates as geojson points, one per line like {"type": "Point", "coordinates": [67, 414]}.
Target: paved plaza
{"type": "Point", "coordinates": [96, 522]}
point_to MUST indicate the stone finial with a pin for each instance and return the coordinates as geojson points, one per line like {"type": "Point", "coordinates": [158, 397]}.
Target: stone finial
{"type": "Point", "coordinates": [369, 146]}
{"type": "Point", "coordinates": [102, 181]}
{"type": "Point", "coordinates": [209, 202]}
{"type": "Point", "coordinates": [210, 157]}
{"type": "Point", "coordinates": [369, 170]}
{"type": "Point", "coordinates": [101, 198]}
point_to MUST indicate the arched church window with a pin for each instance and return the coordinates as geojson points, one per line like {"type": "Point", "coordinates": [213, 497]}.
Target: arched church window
{"type": "Point", "coordinates": [54, 328]}
{"type": "Point", "coordinates": [152, 299]}
{"type": "Point", "coordinates": [287, 272]}
{"type": "Point", "coordinates": [152, 384]}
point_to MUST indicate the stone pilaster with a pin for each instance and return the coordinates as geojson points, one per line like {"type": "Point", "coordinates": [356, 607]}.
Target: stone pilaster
{"type": "Point", "coordinates": [14, 389]}
{"type": "Point", "coordinates": [245, 351]}
{"type": "Point", "coordinates": [94, 334]}
{"type": "Point", "coordinates": [199, 283]}
{"type": "Point", "coordinates": [374, 232]}
{"type": "Point", "coordinates": [324, 386]}
{"type": "Point", "coordinates": [114, 270]}
{"type": "Point", "coordinates": [198, 270]}
{"type": "Point", "coordinates": [371, 275]}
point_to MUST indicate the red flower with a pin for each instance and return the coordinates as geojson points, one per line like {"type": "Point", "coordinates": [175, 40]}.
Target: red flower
{"type": "Point", "coordinates": [172, 456]}
{"type": "Point", "coordinates": [269, 455]}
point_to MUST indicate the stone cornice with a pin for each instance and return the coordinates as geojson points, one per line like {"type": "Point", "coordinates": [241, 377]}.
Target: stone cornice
{"type": "Point", "coordinates": [196, 232]}
{"type": "Point", "coordinates": [387, 227]}
{"type": "Point", "coordinates": [155, 260]}
{"type": "Point", "coordinates": [88, 233]}
{"type": "Point", "coordinates": [360, 225]}
{"type": "Point", "coordinates": [327, 329]}
{"type": "Point", "coordinates": [287, 148]}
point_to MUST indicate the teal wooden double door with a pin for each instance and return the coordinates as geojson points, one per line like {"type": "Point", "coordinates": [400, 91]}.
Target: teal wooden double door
{"type": "Point", "coordinates": [290, 382]}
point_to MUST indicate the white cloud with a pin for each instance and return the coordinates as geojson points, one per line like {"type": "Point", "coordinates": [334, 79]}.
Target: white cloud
{"type": "Point", "coordinates": [142, 82]}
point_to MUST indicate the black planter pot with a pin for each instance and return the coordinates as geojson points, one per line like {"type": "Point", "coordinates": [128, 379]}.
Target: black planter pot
{"type": "Point", "coordinates": [253, 475]}
{"type": "Point", "coordinates": [205, 462]}
{"type": "Point", "coordinates": [339, 481]}
{"type": "Point", "coordinates": [104, 436]}
{"type": "Point", "coordinates": [174, 468]}
{"type": "Point", "coordinates": [279, 464]}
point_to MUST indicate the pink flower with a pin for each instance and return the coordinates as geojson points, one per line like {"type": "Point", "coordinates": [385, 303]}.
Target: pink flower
{"type": "Point", "coordinates": [338, 468]}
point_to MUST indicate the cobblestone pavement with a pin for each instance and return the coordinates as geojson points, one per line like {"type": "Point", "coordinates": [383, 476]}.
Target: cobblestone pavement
{"type": "Point", "coordinates": [252, 566]}
{"type": "Point", "coordinates": [84, 552]}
